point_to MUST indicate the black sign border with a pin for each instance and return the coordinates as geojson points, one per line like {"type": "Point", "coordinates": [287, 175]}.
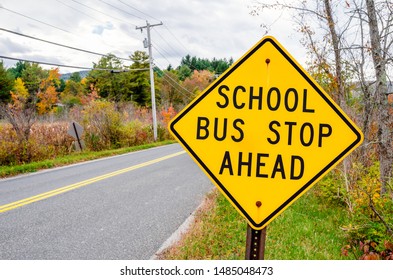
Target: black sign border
{"type": "Point", "coordinates": [314, 86]}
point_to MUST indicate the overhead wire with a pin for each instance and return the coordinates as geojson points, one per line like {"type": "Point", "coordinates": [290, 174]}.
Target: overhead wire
{"type": "Point", "coordinates": [163, 56]}
{"type": "Point", "coordinates": [165, 26]}
{"type": "Point", "coordinates": [123, 11]}
{"type": "Point", "coordinates": [180, 43]}
{"type": "Point", "coordinates": [170, 46]}
{"type": "Point", "coordinates": [60, 45]}
{"type": "Point", "coordinates": [74, 66]}
{"type": "Point", "coordinates": [177, 87]}
{"type": "Point", "coordinates": [79, 11]}
{"type": "Point", "coordinates": [98, 20]}
{"type": "Point", "coordinates": [98, 11]}
{"type": "Point", "coordinates": [42, 22]}
{"type": "Point", "coordinates": [174, 81]}
{"type": "Point", "coordinates": [132, 7]}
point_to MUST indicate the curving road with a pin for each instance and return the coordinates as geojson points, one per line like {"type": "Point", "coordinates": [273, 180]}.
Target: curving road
{"type": "Point", "coordinates": [122, 207]}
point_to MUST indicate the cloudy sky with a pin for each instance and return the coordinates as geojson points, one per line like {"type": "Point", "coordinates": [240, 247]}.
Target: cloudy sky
{"type": "Point", "coordinates": [202, 28]}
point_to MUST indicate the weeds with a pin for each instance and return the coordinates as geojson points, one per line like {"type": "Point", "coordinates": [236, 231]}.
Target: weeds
{"type": "Point", "coordinates": [106, 126]}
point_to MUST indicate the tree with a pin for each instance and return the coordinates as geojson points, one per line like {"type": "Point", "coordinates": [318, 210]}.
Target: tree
{"type": "Point", "coordinates": [6, 84]}
{"type": "Point", "coordinates": [350, 43]}
{"type": "Point", "coordinates": [76, 77]}
{"type": "Point", "coordinates": [198, 81]}
{"type": "Point", "coordinates": [184, 72]}
{"type": "Point", "coordinates": [106, 79]}
{"type": "Point", "coordinates": [17, 70]}
{"type": "Point", "coordinates": [171, 91]}
{"type": "Point", "coordinates": [73, 93]}
{"type": "Point", "coordinates": [139, 79]}
{"type": "Point", "coordinates": [19, 95]}
{"type": "Point", "coordinates": [381, 43]}
{"type": "Point", "coordinates": [22, 116]}
{"type": "Point", "coordinates": [47, 95]}
{"type": "Point", "coordinates": [32, 76]}
{"type": "Point", "coordinates": [189, 63]}
{"type": "Point", "coordinates": [338, 45]}
{"type": "Point", "coordinates": [114, 81]}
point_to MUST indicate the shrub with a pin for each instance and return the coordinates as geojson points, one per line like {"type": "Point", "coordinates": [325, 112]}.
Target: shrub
{"type": "Point", "coordinates": [370, 232]}
{"type": "Point", "coordinates": [136, 133]}
{"type": "Point", "coordinates": [8, 145]}
{"type": "Point", "coordinates": [332, 188]}
{"type": "Point", "coordinates": [102, 125]}
{"type": "Point", "coordinates": [105, 127]}
{"type": "Point", "coordinates": [47, 140]}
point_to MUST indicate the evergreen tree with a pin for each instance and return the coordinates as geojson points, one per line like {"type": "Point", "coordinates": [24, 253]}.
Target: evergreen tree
{"type": "Point", "coordinates": [6, 84]}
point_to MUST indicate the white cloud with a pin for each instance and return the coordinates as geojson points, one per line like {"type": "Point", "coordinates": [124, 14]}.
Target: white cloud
{"type": "Point", "coordinates": [99, 29]}
{"type": "Point", "coordinates": [204, 28]}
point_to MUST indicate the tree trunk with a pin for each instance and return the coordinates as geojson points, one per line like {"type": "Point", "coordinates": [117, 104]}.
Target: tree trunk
{"type": "Point", "coordinates": [337, 53]}
{"type": "Point", "coordinates": [385, 134]}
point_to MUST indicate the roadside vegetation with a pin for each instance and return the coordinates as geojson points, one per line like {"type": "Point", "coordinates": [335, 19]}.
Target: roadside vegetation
{"type": "Point", "coordinates": [12, 170]}
{"type": "Point", "coordinates": [308, 230]}
{"type": "Point", "coordinates": [112, 104]}
{"type": "Point", "coordinates": [315, 227]}
{"type": "Point", "coordinates": [349, 214]}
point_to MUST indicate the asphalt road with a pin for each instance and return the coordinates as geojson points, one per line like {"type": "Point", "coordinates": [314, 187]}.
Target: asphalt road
{"type": "Point", "coordinates": [122, 207]}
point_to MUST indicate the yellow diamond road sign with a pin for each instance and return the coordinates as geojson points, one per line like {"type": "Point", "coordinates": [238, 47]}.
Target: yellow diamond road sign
{"type": "Point", "coordinates": [264, 132]}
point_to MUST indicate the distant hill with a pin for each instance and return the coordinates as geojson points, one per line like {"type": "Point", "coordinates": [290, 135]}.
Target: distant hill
{"type": "Point", "coordinates": [67, 76]}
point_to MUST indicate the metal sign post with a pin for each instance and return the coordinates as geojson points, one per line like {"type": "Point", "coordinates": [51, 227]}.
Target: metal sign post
{"type": "Point", "coordinates": [76, 130]}
{"type": "Point", "coordinates": [255, 243]}
{"type": "Point", "coordinates": [77, 136]}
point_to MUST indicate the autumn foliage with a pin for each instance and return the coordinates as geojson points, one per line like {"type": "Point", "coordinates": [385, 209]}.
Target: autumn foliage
{"type": "Point", "coordinates": [47, 95]}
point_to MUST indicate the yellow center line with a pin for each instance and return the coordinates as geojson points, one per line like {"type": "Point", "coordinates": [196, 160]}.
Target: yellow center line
{"type": "Point", "coordinates": [26, 201]}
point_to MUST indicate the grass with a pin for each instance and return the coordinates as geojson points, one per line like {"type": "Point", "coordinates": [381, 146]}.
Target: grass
{"type": "Point", "coordinates": [72, 158]}
{"type": "Point", "coordinates": [307, 230]}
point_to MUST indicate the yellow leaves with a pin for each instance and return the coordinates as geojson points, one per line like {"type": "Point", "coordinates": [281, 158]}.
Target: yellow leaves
{"type": "Point", "coordinates": [20, 94]}
{"type": "Point", "coordinates": [48, 95]}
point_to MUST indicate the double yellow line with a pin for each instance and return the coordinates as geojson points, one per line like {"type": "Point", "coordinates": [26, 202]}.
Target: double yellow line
{"type": "Point", "coordinates": [29, 200]}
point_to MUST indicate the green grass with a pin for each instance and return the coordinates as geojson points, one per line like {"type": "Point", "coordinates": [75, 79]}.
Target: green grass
{"type": "Point", "coordinates": [308, 230]}
{"type": "Point", "coordinates": [72, 158]}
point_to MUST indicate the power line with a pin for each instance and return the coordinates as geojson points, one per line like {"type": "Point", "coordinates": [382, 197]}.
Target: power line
{"type": "Point", "coordinates": [175, 85]}
{"type": "Point", "coordinates": [1, 7]}
{"type": "Point", "coordinates": [179, 85]}
{"type": "Point", "coordinates": [94, 18]}
{"type": "Point", "coordinates": [161, 54]}
{"type": "Point", "coordinates": [170, 46]}
{"type": "Point", "coordinates": [121, 10]}
{"type": "Point", "coordinates": [60, 45]}
{"type": "Point", "coordinates": [102, 12]}
{"type": "Point", "coordinates": [73, 66]}
{"type": "Point", "coordinates": [181, 44]}
{"type": "Point", "coordinates": [132, 7]}
{"type": "Point", "coordinates": [170, 32]}
{"type": "Point", "coordinates": [79, 11]}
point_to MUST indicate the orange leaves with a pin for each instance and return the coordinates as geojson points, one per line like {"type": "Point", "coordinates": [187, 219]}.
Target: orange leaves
{"type": "Point", "coordinates": [167, 115]}
{"type": "Point", "coordinates": [48, 96]}
{"type": "Point", "coordinates": [198, 81]}
{"type": "Point", "coordinates": [90, 97]}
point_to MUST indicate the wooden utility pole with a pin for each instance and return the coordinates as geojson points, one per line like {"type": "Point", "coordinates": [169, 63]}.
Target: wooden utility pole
{"type": "Point", "coordinates": [153, 95]}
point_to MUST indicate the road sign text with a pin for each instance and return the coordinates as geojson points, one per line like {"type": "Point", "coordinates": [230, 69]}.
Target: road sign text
{"type": "Point", "coordinates": [291, 132]}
